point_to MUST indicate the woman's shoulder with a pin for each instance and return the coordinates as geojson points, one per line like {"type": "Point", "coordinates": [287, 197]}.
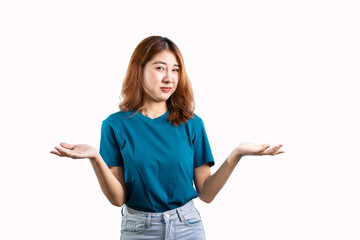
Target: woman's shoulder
{"type": "Point", "coordinates": [196, 118]}
{"type": "Point", "coordinates": [119, 116]}
{"type": "Point", "coordinates": [195, 121]}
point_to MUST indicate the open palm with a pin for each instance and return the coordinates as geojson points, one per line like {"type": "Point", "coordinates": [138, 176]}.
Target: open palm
{"type": "Point", "coordinates": [258, 149]}
{"type": "Point", "coordinates": [75, 151]}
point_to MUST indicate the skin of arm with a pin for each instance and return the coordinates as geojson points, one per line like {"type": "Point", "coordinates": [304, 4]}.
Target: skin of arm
{"type": "Point", "coordinates": [208, 186]}
{"type": "Point", "coordinates": [111, 180]}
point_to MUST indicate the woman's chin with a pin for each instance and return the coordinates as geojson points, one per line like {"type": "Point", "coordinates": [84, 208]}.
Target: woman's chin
{"type": "Point", "coordinates": [163, 98]}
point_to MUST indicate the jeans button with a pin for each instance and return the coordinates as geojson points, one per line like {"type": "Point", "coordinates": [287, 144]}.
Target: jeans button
{"type": "Point", "coordinates": [167, 216]}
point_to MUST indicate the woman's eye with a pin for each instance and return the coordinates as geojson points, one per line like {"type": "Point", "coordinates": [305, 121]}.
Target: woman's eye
{"type": "Point", "coordinates": [160, 68]}
{"type": "Point", "coordinates": [176, 70]}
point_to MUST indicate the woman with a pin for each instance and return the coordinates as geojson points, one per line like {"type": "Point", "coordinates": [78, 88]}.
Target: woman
{"type": "Point", "coordinates": [155, 148]}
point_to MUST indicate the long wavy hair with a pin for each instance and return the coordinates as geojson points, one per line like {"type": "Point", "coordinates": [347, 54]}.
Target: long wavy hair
{"type": "Point", "coordinates": [181, 103]}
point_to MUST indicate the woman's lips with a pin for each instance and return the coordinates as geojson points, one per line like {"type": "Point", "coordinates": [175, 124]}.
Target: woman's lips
{"type": "Point", "coordinates": [166, 89]}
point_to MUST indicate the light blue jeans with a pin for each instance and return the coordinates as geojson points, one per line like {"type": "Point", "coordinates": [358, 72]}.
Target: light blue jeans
{"type": "Point", "coordinates": [183, 223]}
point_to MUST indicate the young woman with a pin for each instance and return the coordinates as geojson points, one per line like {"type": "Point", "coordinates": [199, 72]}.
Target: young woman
{"type": "Point", "coordinates": [155, 148]}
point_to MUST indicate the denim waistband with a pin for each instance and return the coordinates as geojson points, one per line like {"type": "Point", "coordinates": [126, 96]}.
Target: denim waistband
{"type": "Point", "coordinates": [159, 217]}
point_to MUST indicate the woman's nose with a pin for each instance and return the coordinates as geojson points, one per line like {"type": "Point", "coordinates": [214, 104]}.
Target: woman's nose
{"type": "Point", "coordinates": [167, 77]}
{"type": "Point", "coordinates": [166, 80]}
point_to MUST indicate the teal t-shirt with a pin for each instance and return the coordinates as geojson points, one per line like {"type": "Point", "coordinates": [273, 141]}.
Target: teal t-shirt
{"type": "Point", "coordinates": [158, 159]}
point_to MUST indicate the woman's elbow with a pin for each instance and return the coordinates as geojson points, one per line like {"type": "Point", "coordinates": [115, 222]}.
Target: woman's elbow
{"type": "Point", "coordinates": [117, 204]}
{"type": "Point", "coordinates": [206, 199]}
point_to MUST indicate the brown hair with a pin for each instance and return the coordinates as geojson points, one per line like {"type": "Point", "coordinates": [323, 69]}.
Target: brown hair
{"type": "Point", "coordinates": [180, 104]}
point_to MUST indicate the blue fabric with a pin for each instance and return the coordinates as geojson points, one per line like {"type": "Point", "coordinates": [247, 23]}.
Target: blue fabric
{"type": "Point", "coordinates": [158, 159]}
{"type": "Point", "coordinates": [182, 223]}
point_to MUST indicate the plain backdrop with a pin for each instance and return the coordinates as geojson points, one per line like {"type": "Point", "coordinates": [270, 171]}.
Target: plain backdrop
{"type": "Point", "coordinates": [262, 71]}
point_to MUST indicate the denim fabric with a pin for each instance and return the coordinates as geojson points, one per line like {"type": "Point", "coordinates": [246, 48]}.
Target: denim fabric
{"type": "Point", "coordinates": [183, 223]}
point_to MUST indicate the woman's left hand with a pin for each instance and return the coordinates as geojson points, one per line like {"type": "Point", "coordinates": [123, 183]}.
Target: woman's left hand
{"type": "Point", "coordinates": [246, 148]}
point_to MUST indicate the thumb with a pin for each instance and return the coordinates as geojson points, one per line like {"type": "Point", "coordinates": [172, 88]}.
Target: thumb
{"type": "Point", "coordinates": [67, 145]}
{"type": "Point", "coordinates": [265, 146]}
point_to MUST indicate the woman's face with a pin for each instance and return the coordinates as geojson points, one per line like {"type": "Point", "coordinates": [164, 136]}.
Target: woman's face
{"type": "Point", "coordinates": [161, 77]}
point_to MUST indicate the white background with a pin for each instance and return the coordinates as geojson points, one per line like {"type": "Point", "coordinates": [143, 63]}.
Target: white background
{"type": "Point", "coordinates": [262, 71]}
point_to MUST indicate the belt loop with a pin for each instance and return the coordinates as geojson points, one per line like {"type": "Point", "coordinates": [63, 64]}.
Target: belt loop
{"type": "Point", "coordinates": [148, 220]}
{"type": "Point", "coordinates": [122, 210]}
{"type": "Point", "coordinates": [180, 215]}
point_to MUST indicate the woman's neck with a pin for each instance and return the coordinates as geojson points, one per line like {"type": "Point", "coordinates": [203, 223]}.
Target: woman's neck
{"type": "Point", "coordinates": [154, 110]}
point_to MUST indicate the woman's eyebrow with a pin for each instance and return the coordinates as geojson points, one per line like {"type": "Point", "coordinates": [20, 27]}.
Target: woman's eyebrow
{"type": "Point", "coordinates": [160, 62]}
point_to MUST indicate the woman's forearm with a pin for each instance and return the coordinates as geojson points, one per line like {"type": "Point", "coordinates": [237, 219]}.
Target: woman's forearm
{"type": "Point", "coordinates": [113, 189]}
{"type": "Point", "coordinates": [214, 183]}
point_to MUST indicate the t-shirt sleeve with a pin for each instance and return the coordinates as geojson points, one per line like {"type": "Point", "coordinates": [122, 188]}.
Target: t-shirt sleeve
{"type": "Point", "coordinates": [109, 148]}
{"type": "Point", "coordinates": [202, 150]}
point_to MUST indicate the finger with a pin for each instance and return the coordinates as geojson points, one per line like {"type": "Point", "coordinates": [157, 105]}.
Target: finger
{"type": "Point", "coordinates": [278, 152]}
{"type": "Point", "coordinates": [67, 145]}
{"type": "Point", "coordinates": [276, 148]}
{"type": "Point", "coordinates": [272, 150]}
{"type": "Point", "coordinates": [56, 153]}
{"type": "Point", "coordinates": [63, 152]}
{"type": "Point", "coordinates": [264, 146]}
{"type": "Point", "coordinates": [262, 149]}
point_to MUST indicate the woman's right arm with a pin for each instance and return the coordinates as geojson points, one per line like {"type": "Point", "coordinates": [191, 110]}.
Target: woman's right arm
{"type": "Point", "coordinates": [111, 179]}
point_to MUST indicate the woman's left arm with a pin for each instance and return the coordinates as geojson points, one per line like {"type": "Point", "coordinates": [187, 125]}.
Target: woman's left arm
{"type": "Point", "coordinates": [208, 185]}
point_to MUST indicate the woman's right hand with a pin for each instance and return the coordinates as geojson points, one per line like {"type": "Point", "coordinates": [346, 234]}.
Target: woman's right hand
{"type": "Point", "coordinates": [75, 151]}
